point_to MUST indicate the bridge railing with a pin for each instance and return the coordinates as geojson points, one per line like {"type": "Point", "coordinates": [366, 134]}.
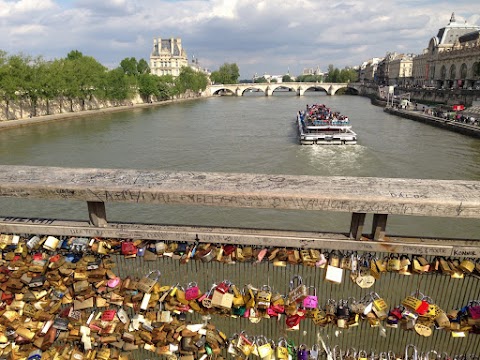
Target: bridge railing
{"type": "Point", "coordinates": [359, 196]}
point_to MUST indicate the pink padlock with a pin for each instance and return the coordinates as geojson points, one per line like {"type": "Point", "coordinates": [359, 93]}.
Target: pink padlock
{"type": "Point", "coordinates": [113, 282]}
{"type": "Point", "coordinates": [311, 301]}
{"type": "Point", "coordinates": [192, 292]}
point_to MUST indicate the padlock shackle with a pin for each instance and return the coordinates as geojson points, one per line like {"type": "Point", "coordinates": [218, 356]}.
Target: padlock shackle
{"type": "Point", "coordinates": [299, 281]}
{"type": "Point", "coordinates": [391, 355]}
{"type": "Point", "coordinates": [427, 355]}
{"type": "Point", "coordinates": [415, 352]}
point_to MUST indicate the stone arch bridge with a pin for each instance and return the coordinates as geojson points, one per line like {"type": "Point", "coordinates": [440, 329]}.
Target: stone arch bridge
{"type": "Point", "coordinates": [268, 88]}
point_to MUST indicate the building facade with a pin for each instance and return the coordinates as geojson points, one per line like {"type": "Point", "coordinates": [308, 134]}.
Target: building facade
{"type": "Point", "coordinates": [452, 58]}
{"type": "Point", "coordinates": [167, 57]}
{"type": "Point", "coordinates": [451, 61]}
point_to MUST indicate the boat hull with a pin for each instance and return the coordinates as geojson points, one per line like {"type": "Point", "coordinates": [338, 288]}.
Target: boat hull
{"type": "Point", "coordinates": [325, 135]}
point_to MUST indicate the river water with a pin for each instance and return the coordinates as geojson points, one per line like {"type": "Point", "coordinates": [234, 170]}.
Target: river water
{"type": "Point", "coordinates": [251, 134]}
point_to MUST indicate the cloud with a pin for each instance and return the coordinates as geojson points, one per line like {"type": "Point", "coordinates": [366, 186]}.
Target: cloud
{"type": "Point", "coordinates": [261, 36]}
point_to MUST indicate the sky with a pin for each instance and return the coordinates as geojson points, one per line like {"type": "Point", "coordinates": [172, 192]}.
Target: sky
{"type": "Point", "coordinates": [261, 36]}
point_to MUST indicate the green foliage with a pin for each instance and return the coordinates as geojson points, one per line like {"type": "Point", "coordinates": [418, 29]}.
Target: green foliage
{"type": "Point", "coordinates": [142, 67]}
{"type": "Point", "coordinates": [309, 78]}
{"type": "Point", "coordinates": [190, 80]}
{"type": "Point", "coordinates": [226, 74]}
{"type": "Point", "coordinates": [129, 66]}
{"type": "Point", "coordinates": [341, 76]}
{"type": "Point", "coordinates": [261, 80]}
{"type": "Point", "coordinates": [286, 78]}
{"type": "Point", "coordinates": [116, 85]}
{"type": "Point", "coordinates": [80, 77]}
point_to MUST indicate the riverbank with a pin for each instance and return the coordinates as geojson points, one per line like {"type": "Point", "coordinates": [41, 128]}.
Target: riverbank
{"type": "Point", "coordinates": [462, 128]}
{"type": "Point", "coordinates": [8, 124]}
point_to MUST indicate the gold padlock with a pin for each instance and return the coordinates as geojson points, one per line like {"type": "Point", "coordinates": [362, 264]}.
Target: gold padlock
{"type": "Point", "coordinates": [393, 263]}
{"type": "Point", "coordinates": [263, 297]}
{"type": "Point", "coordinates": [147, 283]}
{"type": "Point", "coordinates": [467, 266]}
{"type": "Point", "coordinates": [281, 350]}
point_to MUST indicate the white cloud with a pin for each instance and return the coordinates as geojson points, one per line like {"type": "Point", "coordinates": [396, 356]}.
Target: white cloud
{"type": "Point", "coordinates": [259, 35]}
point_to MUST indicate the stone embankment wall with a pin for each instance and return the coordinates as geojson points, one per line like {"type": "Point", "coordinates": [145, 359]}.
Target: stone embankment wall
{"type": "Point", "coordinates": [23, 109]}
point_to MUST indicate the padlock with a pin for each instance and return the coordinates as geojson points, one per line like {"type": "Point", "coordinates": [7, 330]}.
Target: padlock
{"type": "Point", "coordinates": [473, 309]}
{"type": "Point", "coordinates": [334, 273]}
{"type": "Point", "coordinates": [51, 243]}
{"type": "Point", "coordinates": [223, 287]}
{"type": "Point", "coordinates": [147, 283]}
{"type": "Point", "coordinates": [231, 348]}
{"type": "Point", "coordinates": [467, 266]}
{"type": "Point", "coordinates": [302, 352]}
{"type": "Point", "coordinates": [306, 258]}
{"type": "Point", "coordinates": [244, 344]}
{"type": "Point", "coordinates": [342, 314]}
{"type": "Point", "coordinates": [238, 299]}
{"type": "Point", "coordinates": [404, 261]}
{"type": "Point", "coordinates": [331, 307]}
{"type": "Point", "coordinates": [222, 300]}
{"type": "Point", "coordinates": [281, 350]}
{"type": "Point", "coordinates": [322, 261]}
{"type": "Point", "coordinates": [263, 297]}
{"type": "Point", "coordinates": [129, 248]}
{"type": "Point", "coordinates": [192, 292]}
{"type": "Point", "coordinates": [314, 352]}
{"type": "Point", "coordinates": [393, 263]}
{"type": "Point", "coordinates": [380, 306]}
{"type": "Point", "coordinates": [206, 299]}
{"type": "Point", "coordinates": [108, 315]}
{"type": "Point", "coordinates": [293, 321]}
{"type": "Point", "coordinates": [264, 347]}
{"type": "Point", "coordinates": [298, 291]}
{"type": "Point", "coordinates": [416, 304]}
{"type": "Point", "coordinates": [362, 355]}
{"type": "Point", "coordinates": [311, 301]}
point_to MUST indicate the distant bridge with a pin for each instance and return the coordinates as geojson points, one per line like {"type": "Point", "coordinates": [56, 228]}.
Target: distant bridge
{"type": "Point", "coordinates": [268, 88]}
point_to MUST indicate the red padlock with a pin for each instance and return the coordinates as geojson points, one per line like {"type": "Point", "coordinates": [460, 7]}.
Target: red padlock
{"type": "Point", "coordinates": [129, 248]}
{"type": "Point", "coordinates": [223, 287]}
{"type": "Point", "coordinates": [228, 249]}
{"type": "Point", "coordinates": [422, 308]}
{"type": "Point", "coordinates": [293, 320]}
{"type": "Point", "coordinates": [474, 309]}
{"type": "Point", "coordinates": [108, 315]}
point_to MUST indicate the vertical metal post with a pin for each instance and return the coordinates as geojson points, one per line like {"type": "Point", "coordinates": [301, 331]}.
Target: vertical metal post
{"type": "Point", "coordinates": [378, 226]}
{"type": "Point", "coordinates": [97, 213]}
{"type": "Point", "coordinates": [356, 225]}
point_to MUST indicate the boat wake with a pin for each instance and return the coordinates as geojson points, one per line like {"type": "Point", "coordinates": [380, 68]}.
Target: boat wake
{"type": "Point", "coordinates": [334, 160]}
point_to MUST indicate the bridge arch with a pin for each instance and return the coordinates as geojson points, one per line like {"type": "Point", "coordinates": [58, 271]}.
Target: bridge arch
{"type": "Point", "coordinates": [224, 91]}
{"type": "Point", "coordinates": [242, 91]}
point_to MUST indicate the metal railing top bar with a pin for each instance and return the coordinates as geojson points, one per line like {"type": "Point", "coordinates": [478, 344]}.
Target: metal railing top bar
{"type": "Point", "coordinates": [417, 197]}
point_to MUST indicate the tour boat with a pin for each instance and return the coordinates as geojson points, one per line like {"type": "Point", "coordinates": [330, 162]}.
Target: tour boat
{"type": "Point", "coordinates": [319, 125]}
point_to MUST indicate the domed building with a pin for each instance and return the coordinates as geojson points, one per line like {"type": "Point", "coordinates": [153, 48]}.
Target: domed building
{"type": "Point", "coordinates": [452, 59]}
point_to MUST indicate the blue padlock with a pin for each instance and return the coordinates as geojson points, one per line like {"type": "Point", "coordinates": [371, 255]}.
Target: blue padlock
{"type": "Point", "coordinates": [302, 353]}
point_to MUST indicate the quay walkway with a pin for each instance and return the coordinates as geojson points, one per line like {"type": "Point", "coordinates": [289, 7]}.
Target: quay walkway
{"type": "Point", "coordinates": [417, 115]}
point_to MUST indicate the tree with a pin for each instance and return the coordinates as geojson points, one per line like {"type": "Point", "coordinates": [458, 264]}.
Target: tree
{"type": "Point", "coordinates": [147, 86]}
{"type": "Point", "coordinates": [190, 80]}
{"type": "Point", "coordinates": [14, 71]}
{"type": "Point", "coordinates": [129, 66]}
{"type": "Point", "coordinates": [286, 78]}
{"type": "Point", "coordinates": [142, 67]}
{"type": "Point", "coordinates": [83, 77]}
{"type": "Point", "coordinates": [226, 74]}
{"type": "Point", "coordinates": [261, 80]}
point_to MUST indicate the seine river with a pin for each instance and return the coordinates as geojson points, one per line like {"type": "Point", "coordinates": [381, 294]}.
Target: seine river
{"type": "Point", "coordinates": [251, 134]}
